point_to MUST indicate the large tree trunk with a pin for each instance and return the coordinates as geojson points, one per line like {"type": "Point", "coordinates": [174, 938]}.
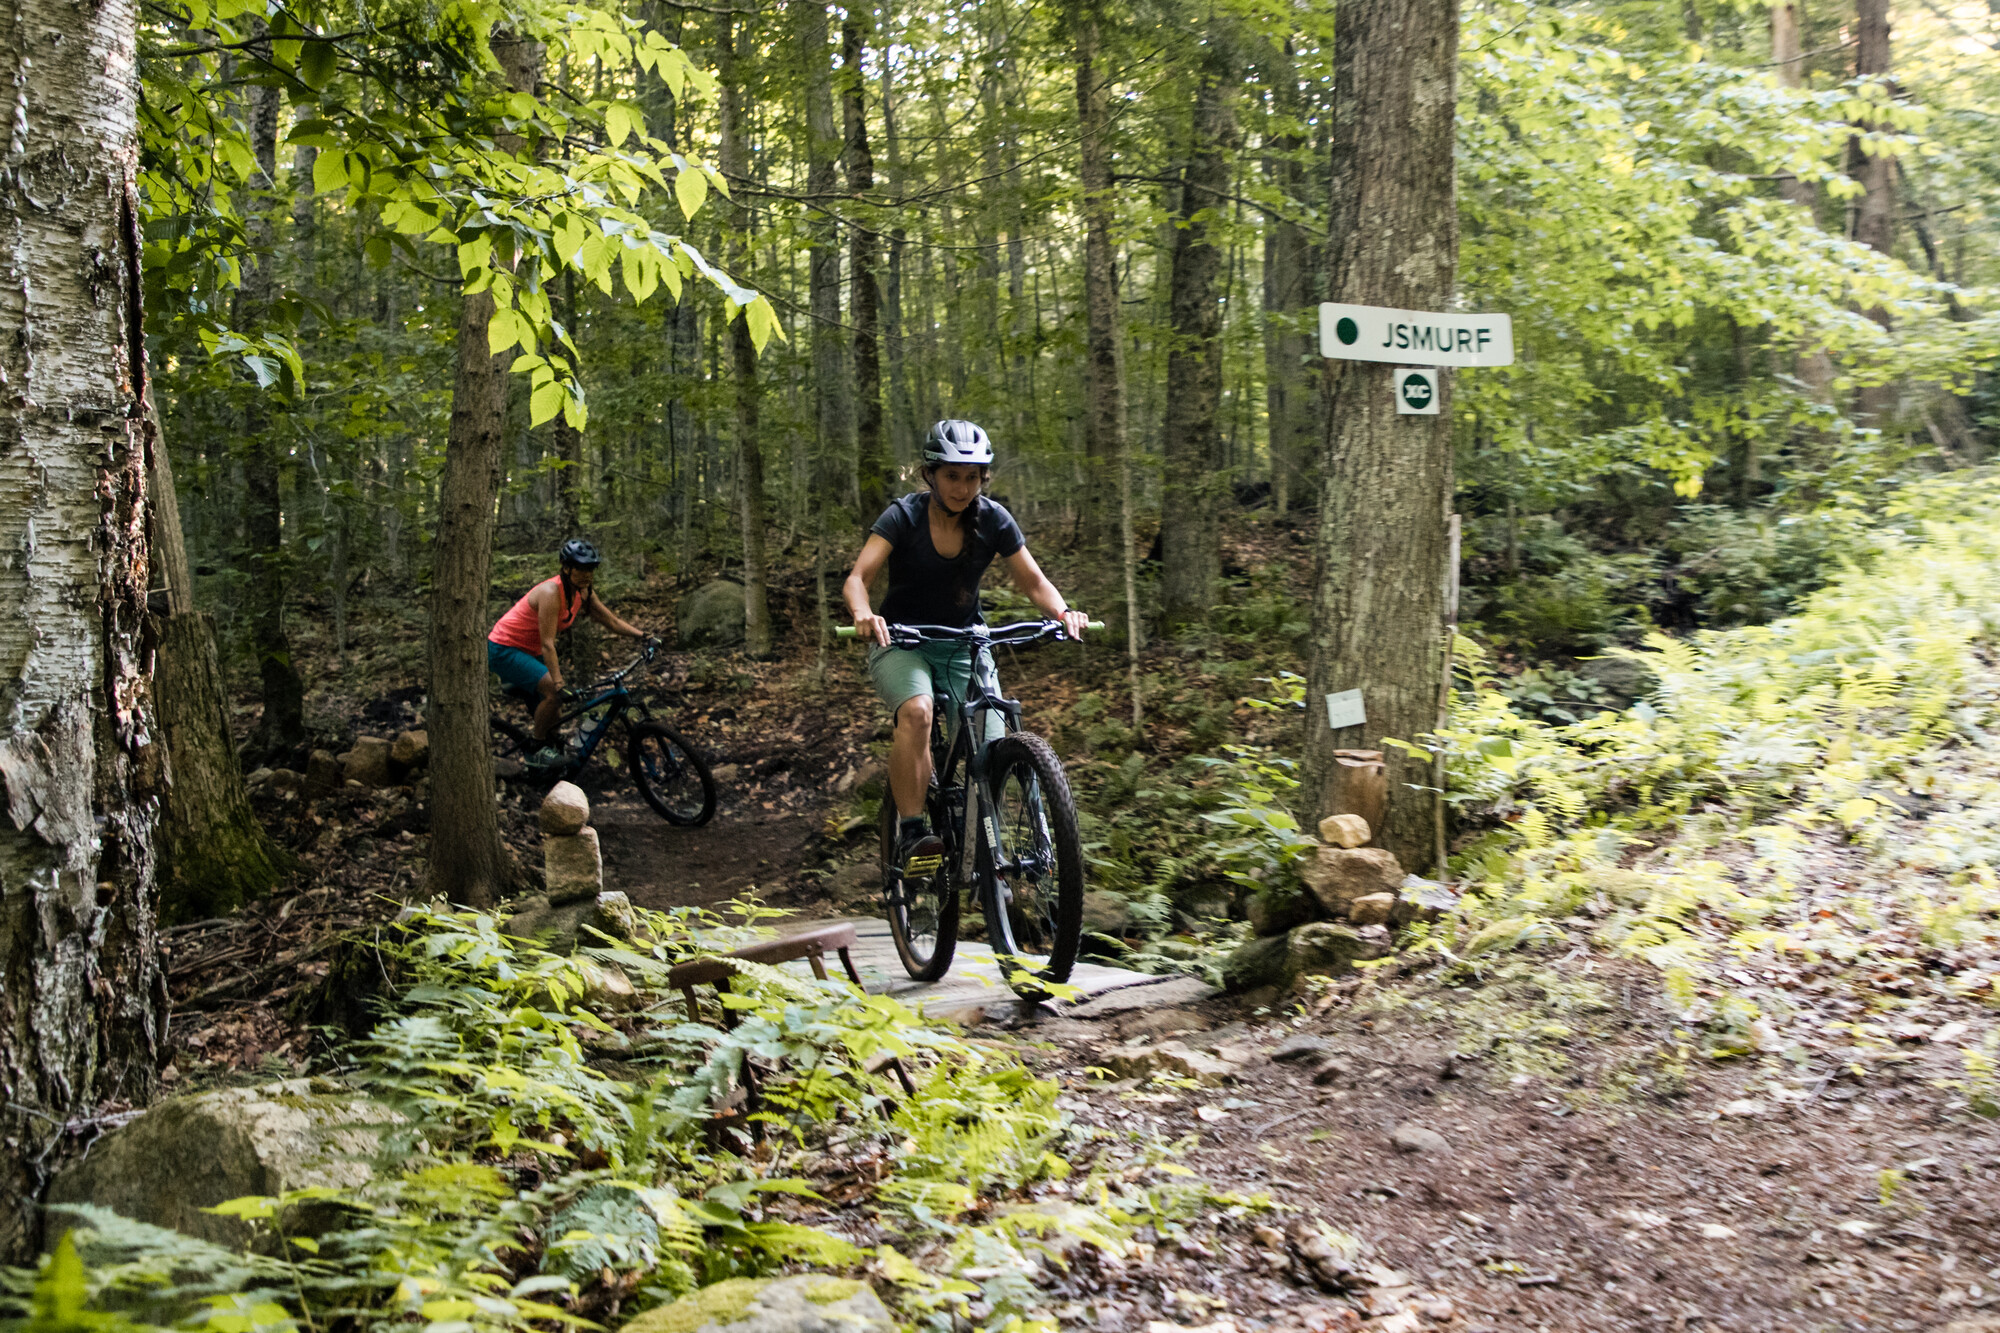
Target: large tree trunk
{"type": "Point", "coordinates": [1289, 394]}
{"type": "Point", "coordinates": [468, 862]}
{"type": "Point", "coordinates": [1108, 479]}
{"type": "Point", "coordinates": [1190, 527]}
{"type": "Point", "coordinates": [1385, 484]}
{"type": "Point", "coordinates": [282, 728]}
{"type": "Point", "coordinates": [83, 1001]}
{"type": "Point", "coordinates": [1872, 217]}
{"type": "Point", "coordinates": [213, 854]}
{"type": "Point", "coordinates": [871, 446]}
{"type": "Point", "coordinates": [834, 404]}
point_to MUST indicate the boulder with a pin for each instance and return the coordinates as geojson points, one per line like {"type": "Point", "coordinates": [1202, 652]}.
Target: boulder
{"type": "Point", "coordinates": [1105, 913]}
{"type": "Point", "coordinates": [618, 918]}
{"type": "Point", "coordinates": [812, 1303]}
{"type": "Point", "coordinates": [565, 810]}
{"type": "Point", "coordinates": [1169, 1057]}
{"type": "Point", "coordinates": [1273, 911]}
{"type": "Point", "coordinates": [572, 868]}
{"type": "Point", "coordinates": [1302, 1046]}
{"type": "Point", "coordinates": [1339, 875]}
{"type": "Point", "coordinates": [1372, 909]}
{"type": "Point", "coordinates": [367, 763]}
{"type": "Point", "coordinates": [257, 778]}
{"type": "Point", "coordinates": [285, 779]}
{"type": "Point", "coordinates": [1319, 949]}
{"type": "Point", "coordinates": [412, 749]}
{"type": "Point", "coordinates": [1345, 831]}
{"type": "Point", "coordinates": [724, 774]}
{"type": "Point", "coordinates": [322, 772]}
{"type": "Point", "coordinates": [191, 1153]}
{"type": "Point", "coordinates": [711, 616]}
{"type": "Point", "coordinates": [606, 989]}
{"type": "Point", "coordinates": [1202, 901]}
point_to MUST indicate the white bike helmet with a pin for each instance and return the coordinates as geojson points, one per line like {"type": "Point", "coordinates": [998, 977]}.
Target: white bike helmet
{"type": "Point", "coordinates": [958, 442]}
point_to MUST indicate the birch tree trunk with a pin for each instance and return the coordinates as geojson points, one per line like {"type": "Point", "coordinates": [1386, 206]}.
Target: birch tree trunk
{"type": "Point", "coordinates": [871, 447]}
{"type": "Point", "coordinates": [743, 353]}
{"type": "Point", "coordinates": [82, 997]}
{"type": "Point", "coordinates": [468, 862]}
{"type": "Point", "coordinates": [1109, 470]}
{"type": "Point", "coordinates": [1385, 480]}
{"type": "Point", "coordinates": [1190, 526]}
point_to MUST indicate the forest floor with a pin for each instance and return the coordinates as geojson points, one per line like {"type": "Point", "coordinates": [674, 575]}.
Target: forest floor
{"type": "Point", "coordinates": [1539, 1148]}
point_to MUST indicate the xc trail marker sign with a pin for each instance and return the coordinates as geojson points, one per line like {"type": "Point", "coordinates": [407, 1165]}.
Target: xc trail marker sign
{"type": "Point", "coordinates": [1414, 337]}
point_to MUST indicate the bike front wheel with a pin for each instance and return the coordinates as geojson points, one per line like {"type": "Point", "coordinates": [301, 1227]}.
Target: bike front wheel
{"type": "Point", "coordinates": [1031, 866]}
{"type": "Point", "coordinates": [923, 915]}
{"type": "Point", "coordinates": [669, 774]}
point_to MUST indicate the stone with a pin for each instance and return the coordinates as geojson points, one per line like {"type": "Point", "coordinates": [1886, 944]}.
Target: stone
{"type": "Point", "coordinates": [565, 810]}
{"type": "Point", "coordinates": [257, 778]}
{"type": "Point", "coordinates": [1172, 1058]}
{"type": "Point", "coordinates": [322, 772]}
{"type": "Point", "coordinates": [367, 763]}
{"type": "Point", "coordinates": [285, 779]}
{"type": "Point", "coordinates": [572, 868]}
{"type": "Point", "coordinates": [1339, 875]}
{"type": "Point", "coordinates": [1745, 1108]}
{"type": "Point", "coordinates": [1372, 909]}
{"type": "Point", "coordinates": [1623, 679]}
{"type": "Point", "coordinates": [606, 989]}
{"type": "Point", "coordinates": [857, 883]}
{"type": "Point", "coordinates": [812, 1303]}
{"type": "Point", "coordinates": [412, 749]}
{"type": "Point", "coordinates": [617, 917]}
{"type": "Point", "coordinates": [559, 929]}
{"type": "Point", "coordinates": [195, 1152]}
{"type": "Point", "coordinates": [711, 616]}
{"type": "Point", "coordinates": [1105, 913]}
{"type": "Point", "coordinates": [1202, 902]}
{"type": "Point", "coordinates": [1278, 961]}
{"type": "Point", "coordinates": [1417, 1139]}
{"type": "Point", "coordinates": [1273, 911]}
{"type": "Point", "coordinates": [1301, 1046]}
{"type": "Point", "coordinates": [1345, 831]}
{"type": "Point", "coordinates": [724, 774]}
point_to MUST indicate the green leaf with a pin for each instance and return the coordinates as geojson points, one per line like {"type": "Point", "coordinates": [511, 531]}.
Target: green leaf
{"type": "Point", "coordinates": [690, 190]}
{"type": "Point", "coordinates": [618, 120]}
{"type": "Point", "coordinates": [317, 63]}
{"type": "Point", "coordinates": [329, 173]}
{"type": "Point", "coordinates": [544, 403]}
{"type": "Point", "coordinates": [377, 250]}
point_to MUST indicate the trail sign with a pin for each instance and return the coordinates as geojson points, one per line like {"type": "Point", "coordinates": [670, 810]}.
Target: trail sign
{"type": "Point", "coordinates": [1416, 392]}
{"type": "Point", "coordinates": [1403, 337]}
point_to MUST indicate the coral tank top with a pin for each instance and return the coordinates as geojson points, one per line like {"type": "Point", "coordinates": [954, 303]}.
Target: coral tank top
{"type": "Point", "coordinates": [522, 628]}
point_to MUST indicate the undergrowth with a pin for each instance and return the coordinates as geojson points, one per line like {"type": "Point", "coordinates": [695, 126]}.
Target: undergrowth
{"type": "Point", "coordinates": [549, 1149]}
{"type": "Point", "coordinates": [1817, 790]}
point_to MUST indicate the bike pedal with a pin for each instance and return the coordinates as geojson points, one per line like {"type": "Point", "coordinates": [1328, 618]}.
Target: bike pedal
{"type": "Point", "coordinates": [923, 866]}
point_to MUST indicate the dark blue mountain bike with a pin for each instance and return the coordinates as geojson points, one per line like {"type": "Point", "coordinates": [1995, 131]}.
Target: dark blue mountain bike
{"type": "Point", "coordinates": [1004, 812]}
{"type": "Point", "coordinates": [670, 776]}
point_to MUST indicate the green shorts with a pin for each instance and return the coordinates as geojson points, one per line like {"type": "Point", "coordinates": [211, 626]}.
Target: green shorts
{"type": "Point", "coordinates": [901, 674]}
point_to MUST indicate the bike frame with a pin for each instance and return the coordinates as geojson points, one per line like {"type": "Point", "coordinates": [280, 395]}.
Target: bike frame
{"type": "Point", "coordinates": [621, 701]}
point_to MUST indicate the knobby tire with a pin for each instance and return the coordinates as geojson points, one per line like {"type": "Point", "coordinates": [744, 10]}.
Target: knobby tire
{"type": "Point", "coordinates": [670, 776]}
{"type": "Point", "coordinates": [925, 925]}
{"type": "Point", "coordinates": [1036, 936]}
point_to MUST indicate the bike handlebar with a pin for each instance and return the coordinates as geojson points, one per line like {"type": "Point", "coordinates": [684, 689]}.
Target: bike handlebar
{"type": "Point", "coordinates": [993, 633]}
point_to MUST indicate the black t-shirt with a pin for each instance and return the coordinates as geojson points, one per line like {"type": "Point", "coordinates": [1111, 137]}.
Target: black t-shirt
{"type": "Point", "coordinates": [924, 587]}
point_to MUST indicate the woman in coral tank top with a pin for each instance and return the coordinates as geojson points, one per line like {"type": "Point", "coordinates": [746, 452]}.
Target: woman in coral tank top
{"type": "Point", "coordinates": [521, 649]}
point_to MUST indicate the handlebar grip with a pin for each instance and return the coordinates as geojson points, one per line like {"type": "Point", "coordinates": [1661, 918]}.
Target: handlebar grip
{"type": "Point", "coordinates": [1093, 624]}
{"type": "Point", "coordinates": [844, 631]}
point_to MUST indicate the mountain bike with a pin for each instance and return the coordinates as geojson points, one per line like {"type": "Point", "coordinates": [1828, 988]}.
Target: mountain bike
{"type": "Point", "coordinates": [670, 775]}
{"type": "Point", "coordinates": [1004, 812]}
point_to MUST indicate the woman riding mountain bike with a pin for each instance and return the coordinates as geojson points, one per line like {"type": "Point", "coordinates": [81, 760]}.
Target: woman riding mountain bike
{"type": "Point", "coordinates": [521, 647]}
{"type": "Point", "coordinates": [936, 545]}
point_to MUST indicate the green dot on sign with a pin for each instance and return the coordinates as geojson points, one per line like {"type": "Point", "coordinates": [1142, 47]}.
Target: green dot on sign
{"type": "Point", "coordinates": [1346, 332]}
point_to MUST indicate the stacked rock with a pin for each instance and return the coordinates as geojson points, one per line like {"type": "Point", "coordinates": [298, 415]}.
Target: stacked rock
{"type": "Point", "coordinates": [1319, 929]}
{"type": "Point", "coordinates": [572, 865]}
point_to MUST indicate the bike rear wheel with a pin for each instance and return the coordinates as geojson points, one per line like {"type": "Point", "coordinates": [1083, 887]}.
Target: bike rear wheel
{"type": "Point", "coordinates": [923, 916]}
{"type": "Point", "coordinates": [670, 776]}
{"type": "Point", "coordinates": [1031, 880]}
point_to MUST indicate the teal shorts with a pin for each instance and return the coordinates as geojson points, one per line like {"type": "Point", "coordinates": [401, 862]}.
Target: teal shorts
{"type": "Point", "coordinates": [901, 674]}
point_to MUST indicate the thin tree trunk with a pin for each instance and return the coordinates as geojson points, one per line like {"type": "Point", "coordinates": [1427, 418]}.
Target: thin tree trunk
{"type": "Point", "coordinates": [468, 862]}
{"type": "Point", "coordinates": [1190, 528]}
{"type": "Point", "coordinates": [1289, 396]}
{"type": "Point", "coordinates": [1108, 449]}
{"type": "Point", "coordinates": [568, 439]}
{"type": "Point", "coordinates": [872, 463]}
{"type": "Point", "coordinates": [282, 728]}
{"type": "Point", "coordinates": [83, 1002]}
{"type": "Point", "coordinates": [1385, 486]}
{"type": "Point", "coordinates": [743, 356]}
{"type": "Point", "coordinates": [833, 404]}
